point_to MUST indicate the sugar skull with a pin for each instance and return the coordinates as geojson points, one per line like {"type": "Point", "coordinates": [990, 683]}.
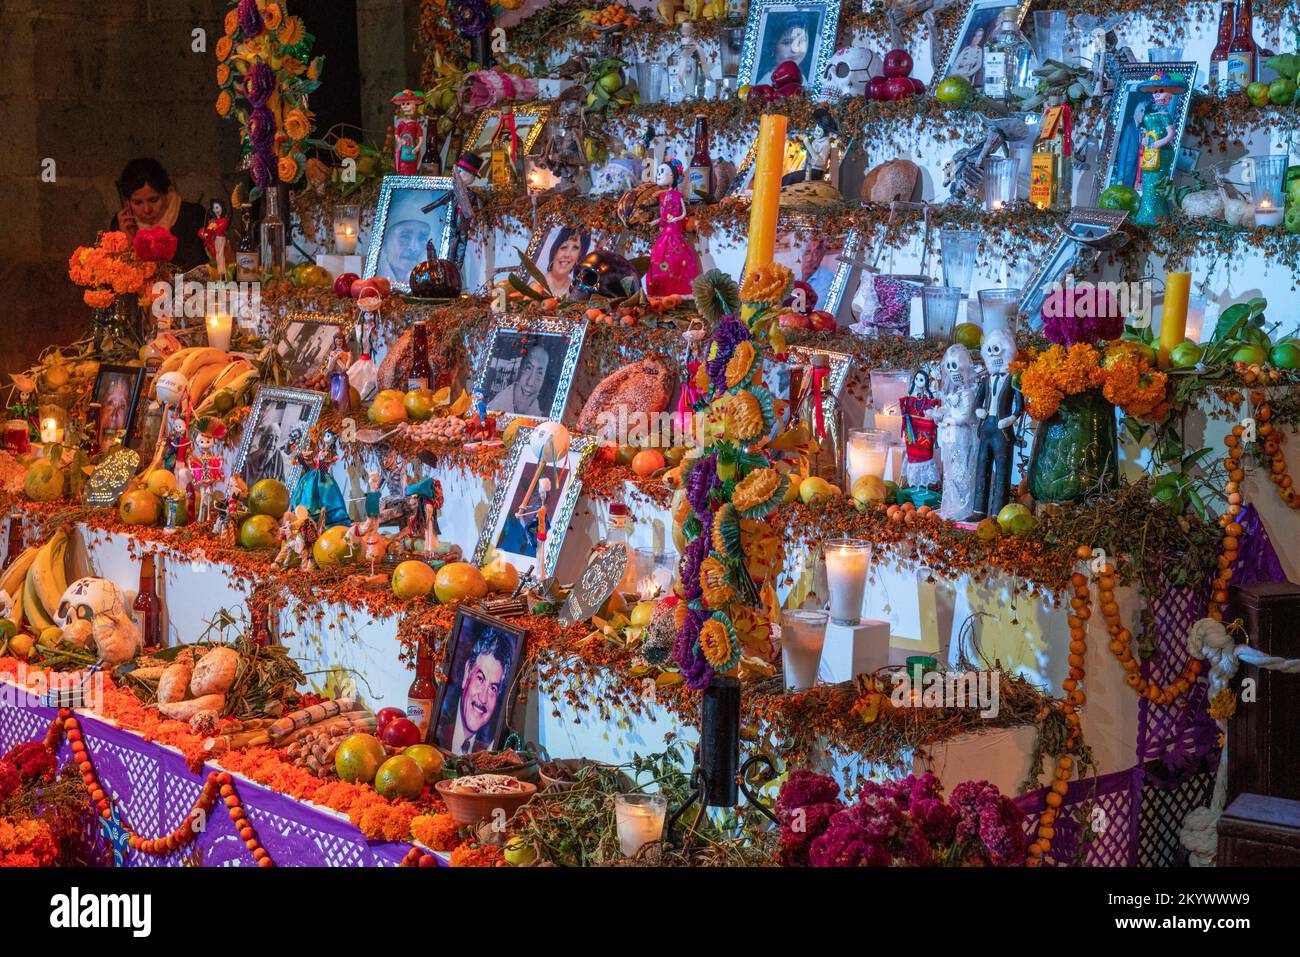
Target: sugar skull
{"type": "Point", "coordinates": [87, 598]}
{"type": "Point", "coordinates": [998, 350]}
{"type": "Point", "coordinates": [848, 71]}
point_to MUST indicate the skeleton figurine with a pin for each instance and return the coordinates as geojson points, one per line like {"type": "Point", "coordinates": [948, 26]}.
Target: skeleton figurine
{"type": "Point", "coordinates": [957, 427]}
{"type": "Point", "coordinates": [230, 505]}
{"type": "Point", "coordinates": [208, 468]}
{"type": "Point", "coordinates": [997, 405]}
{"type": "Point", "coordinates": [298, 532]}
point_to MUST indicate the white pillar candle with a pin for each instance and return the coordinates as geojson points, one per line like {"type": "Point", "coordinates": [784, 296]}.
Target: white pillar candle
{"type": "Point", "coordinates": [803, 633]}
{"type": "Point", "coordinates": [220, 328]}
{"type": "Point", "coordinates": [640, 820]}
{"type": "Point", "coordinates": [345, 239]}
{"type": "Point", "coordinates": [867, 454]}
{"type": "Point", "coordinates": [1266, 214]}
{"type": "Point", "coordinates": [846, 578]}
{"type": "Point", "coordinates": [891, 422]}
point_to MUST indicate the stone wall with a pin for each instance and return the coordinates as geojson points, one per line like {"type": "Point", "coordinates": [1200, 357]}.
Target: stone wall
{"type": "Point", "coordinates": [91, 84]}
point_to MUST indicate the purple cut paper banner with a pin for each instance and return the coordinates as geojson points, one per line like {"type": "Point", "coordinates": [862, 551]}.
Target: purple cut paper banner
{"type": "Point", "coordinates": [153, 790]}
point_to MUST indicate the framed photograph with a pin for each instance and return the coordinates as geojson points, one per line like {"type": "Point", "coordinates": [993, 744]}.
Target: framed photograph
{"type": "Point", "coordinates": [965, 53]}
{"type": "Point", "coordinates": [1144, 128]}
{"type": "Point", "coordinates": [411, 211]}
{"type": "Point", "coordinates": [556, 249]}
{"type": "Point", "coordinates": [531, 485]}
{"type": "Point", "coordinates": [529, 119]}
{"type": "Point", "coordinates": [799, 30]}
{"type": "Point", "coordinates": [278, 420]}
{"type": "Point", "coordinates": [528, 369]}
{"type": "Point", "coordinates": [484, 659]}
{"type": "Point", "coordinates": [823, 262]}
{"type": "Point", "coordinates": [117, 390]}
{"type": "Point", "coordinates": [306, 340]}
{"type": "Point", "coordinates": [1063, 253]}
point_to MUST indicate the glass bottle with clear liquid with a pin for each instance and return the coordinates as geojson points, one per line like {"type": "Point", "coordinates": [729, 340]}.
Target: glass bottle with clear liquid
{"type": "Point", "coordinates": [1008, 59]}
{"type": "Point", "coordinates": [273, 233]}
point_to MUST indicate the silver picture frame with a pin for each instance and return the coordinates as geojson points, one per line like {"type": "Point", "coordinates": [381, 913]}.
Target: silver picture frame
{"type": "Point", "coordinates": [752, 61]}
{"type": "Point", "coordinates": [313, 324]}
{"type": "Point", "coordinates": [1060, 257]}
{"type": "Point", "coordinates": [572, 331]}
{"type": "Point", "coordinates": [522, 455]}
{"type": "Point", "coordinates": [974, 15]}
{"type": "Point", "coordinates": [835, 298]}
{"type": "Point", "coordinates": [1128, 77]}
{"type": "Point", "coordinates": [311, 402]}
{"type": "Point", "coordinates": [388, 190]}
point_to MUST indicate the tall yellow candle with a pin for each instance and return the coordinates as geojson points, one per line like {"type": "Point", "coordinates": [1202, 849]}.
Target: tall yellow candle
{"type": "Point", "coordinates": [768, 168]}
{"type": "Point", "coordinates": [1173, 322]}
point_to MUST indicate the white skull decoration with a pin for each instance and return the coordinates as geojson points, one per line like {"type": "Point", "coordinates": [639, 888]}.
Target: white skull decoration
{"type": "Point", "coordinates": [998, 350]}
{"type": "Point", "coordinates": [86, 599]}
{"type": "Point", "coordinates": [849, 70]}
{"type": "Point", "coordinates": [957, 367]}
{"type": "Point", "coordinates": [171, 387]}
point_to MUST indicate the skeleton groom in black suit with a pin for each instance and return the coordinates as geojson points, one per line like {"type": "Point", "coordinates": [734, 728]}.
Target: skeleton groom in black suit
{"type": "Point", "coordinates": [998, 404]}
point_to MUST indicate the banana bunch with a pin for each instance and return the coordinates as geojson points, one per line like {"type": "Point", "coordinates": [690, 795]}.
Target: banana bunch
{"type": "Point", "coordinates": [37, 579]}
{"type": "Point", "coordinates": [206, 369]}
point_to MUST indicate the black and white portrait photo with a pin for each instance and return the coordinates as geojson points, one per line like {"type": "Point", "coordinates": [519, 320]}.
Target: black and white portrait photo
{"type": "Point", "coordinates": [529, 371]}
{"type": "Point", "coordinates": [412, 210]}
{"type": "Point", "coordinates": [307, 342]}
{"type": "Point", "coordinates": [475, 703]}
{"type": "Point", "coordinates": [279, 420]}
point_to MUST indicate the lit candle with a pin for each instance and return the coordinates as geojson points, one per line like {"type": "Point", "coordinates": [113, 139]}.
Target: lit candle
{"type": "Point", "coordinates": [1173, 320]}
{"type": "Point", "coordinates": [867, 450]}
{"type": "Point", "coordinates": [347, 229]}
{"type": "Point", "coordinates": [846, 578]}
{"type": "Point", "coordinates": [51, 433]}
{"type": "Point", "coordinates": [803, 634]}
{"type": "Point", "coordinates": [769, 166]}
{"type": "Point", "coordinates": [1266, 214]}
{"type": "Point", "coordinates": [640, 820]}
{"type": "Point", "coordinates": [220, 328]}
{"type": "Point", "coordinates": [890, 422]}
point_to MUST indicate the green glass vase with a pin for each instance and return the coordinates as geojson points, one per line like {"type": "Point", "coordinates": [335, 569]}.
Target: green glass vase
{"type": "Point", "coordinates": [1076, 451]}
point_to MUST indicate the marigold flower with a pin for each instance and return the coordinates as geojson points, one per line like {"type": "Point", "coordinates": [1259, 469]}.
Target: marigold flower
{"type": "Point", "coordinates": [290, 32]}
{"type": "Point", "coordinates": [223, 74]}
{"type": "Point", "coordinates": [718, 646]}
{"type": "Point", "coordinates": [347, 148]}
{"type": "Point", "coordinates": [437, 831]}
{"type": "Point", "coordinates": [755, 488]}
{"type": "Point", "coordinates": [114, 241]}
{"type": "Point", "coordinates": [272, 15]}
{"type": "Point", "coordinates": [232, 22]}
{"type": "Point", "coordinates": [98, 298]}
{"type": "Point", "coordinates": [287, 169]}
{"type": "Point", "coordinates": [713, 582]}
{"type": "Point", "coordinates": [224, 103]}
{"type": "Point", "coordinates": [767, 285]}
{"type": "Point", "coordinates": [224, 46]}
{"type": "Point", "coordinates": [296, 125]}
{"type": "Point", "coordinates": [293, 66]}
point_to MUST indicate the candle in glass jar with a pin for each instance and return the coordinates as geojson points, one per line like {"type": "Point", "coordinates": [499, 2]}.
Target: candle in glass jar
{"type": "Point", "coordinates": [890, 422]}
{"type": "Point", "coordinates": [846, 578]}
{"type": "Point", "coordinates": [640, 820]}
{"type": "Point", "coordinates": [220, 328]}
{"type": "Point", "coordinates": [867, 451]}
{"type": "Point", "coordinates": [1266, 214]}
{"type": "Point", "coordinates": [347, 229]}
{"type": "Point", "coordinates": [51, 433]}
{"type": "Point", "coordinates": [803, 633]}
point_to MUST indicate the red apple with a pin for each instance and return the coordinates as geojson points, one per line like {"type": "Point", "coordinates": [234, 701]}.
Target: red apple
{"type": "Point", "coordinates": [400, 733]}
{"type": "Point", "coordinates": [386, 716]}
{"type": "Point", "coordinates": [343, 284]}
{"type": "Point", "coordinates": [876, 87]}
{"type": "Point", "coordinates": [917, 85]}
{"type": "Point", "coordinates": [898, 63]}
{"type": "Point", "coordinates": [762, 93]}
{"type": "Point", "coordinates": [898, 88]}
{"type": "Point", "coordinates": [793, 321]}
{"type": "Point", "coordinates": [821, 321]}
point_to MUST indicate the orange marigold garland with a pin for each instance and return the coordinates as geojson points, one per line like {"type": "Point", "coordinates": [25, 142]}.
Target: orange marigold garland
{"type": "Point", "coordinates": [1124, 377]}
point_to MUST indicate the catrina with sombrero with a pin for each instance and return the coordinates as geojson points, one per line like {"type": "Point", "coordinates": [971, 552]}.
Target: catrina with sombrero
{"type": "Point", "coordinates": [1158, 148]}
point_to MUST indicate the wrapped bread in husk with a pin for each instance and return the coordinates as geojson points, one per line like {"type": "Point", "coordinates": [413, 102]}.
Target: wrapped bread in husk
{"type": "Point", "coordinates": [639, 206]}
{"type": "Point", "coordinates": [643, 388]}
{"type": "Point", "coordinates": [185, 710]}
{"type": "Point", "coordinates": [174, 685]}
{"type": "Point", "coordinates": [215, 672]}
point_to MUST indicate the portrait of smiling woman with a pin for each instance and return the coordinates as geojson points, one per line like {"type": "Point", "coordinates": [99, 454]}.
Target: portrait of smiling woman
{"type": "Point", "coordinates": [561, 250]}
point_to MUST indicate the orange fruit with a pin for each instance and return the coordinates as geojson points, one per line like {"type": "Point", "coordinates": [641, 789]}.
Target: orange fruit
{"type": "Point", "coordinates": [413, 579]}
{"type": "Point", "coordinates": [648, 461]}
{"type": "Point", "coordinates": [459, 580]}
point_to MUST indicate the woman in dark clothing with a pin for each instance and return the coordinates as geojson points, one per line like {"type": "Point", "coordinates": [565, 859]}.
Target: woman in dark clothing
{"type": "Point", "coordinates": [149, 199]}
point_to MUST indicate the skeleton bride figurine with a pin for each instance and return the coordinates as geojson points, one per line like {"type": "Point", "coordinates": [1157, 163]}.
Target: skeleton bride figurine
{"type": "Point", "coordinates": [957, 425]}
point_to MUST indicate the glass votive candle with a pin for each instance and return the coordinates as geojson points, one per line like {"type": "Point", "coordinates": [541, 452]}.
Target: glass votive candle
{"type": "Point", "coordinates": [347, 228]}
{"type": "Point", "coordinates": [1049, 34]}
{"type": "Point", "coordinates": [999, 309]}
{"type": "Point", "coordinates": [803, 633]}
{"type": "Point", "coordinates": [640, 820]}
{"type": "Point", "coordinates": [654, 573]}
{"type": "Point", "coordinates": [221, 329]}
{"type": "Point", "coordinates": [868, 451]}
{"type": "Point", "coordinates": [957, 248]}
{"type": "Point", "coordinates": [1164, 54]}
{"type": "Point", "coordinates": [1000, 182]}
{"type": "Point", "coordinates": [650, 82]}
{"type": "Point", "coordinates": [939, 311]}
{"type": "Point", "coordinates": [847, 560]}
{"type": "Point", "coordinates": [17, 436]}
{"type": "Point", "coordinates": [1266, 188]}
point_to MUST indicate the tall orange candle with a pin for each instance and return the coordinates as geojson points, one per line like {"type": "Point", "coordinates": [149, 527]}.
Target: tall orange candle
{"type": "Point", "coordinates": [766, 205]}
{"type": "Point", "coordinates": [1173, 321]}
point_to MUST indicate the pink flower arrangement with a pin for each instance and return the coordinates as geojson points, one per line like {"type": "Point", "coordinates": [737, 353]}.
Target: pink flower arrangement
{"type": "Point", "coordinates": [903, 822]}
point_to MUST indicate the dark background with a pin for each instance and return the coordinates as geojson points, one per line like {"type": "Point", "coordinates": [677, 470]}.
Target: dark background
{"type": "Point", "coordinates": [93, 83]}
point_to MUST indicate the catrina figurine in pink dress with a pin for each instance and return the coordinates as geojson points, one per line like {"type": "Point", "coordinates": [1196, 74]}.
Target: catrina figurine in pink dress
{"type": "Point", "coordinates": [673, 262]}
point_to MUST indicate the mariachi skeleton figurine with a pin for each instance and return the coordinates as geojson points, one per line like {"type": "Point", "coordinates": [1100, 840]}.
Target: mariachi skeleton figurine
{"type": "Point", "coordinates": [409, 132]}
{"type": "Point", "coordinates": [997, 406]}
{"type": "Point", "coordinates": [207, 466]}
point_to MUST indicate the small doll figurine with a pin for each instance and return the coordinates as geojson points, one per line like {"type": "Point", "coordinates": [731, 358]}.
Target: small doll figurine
{"type": "Point", "coordinates": [408, 132]}
{"type": "Point", "coordinates": [208, 466]}
{"type": "Point", "coordinates": [998, 404]}
{"type": "Point", "coordinates": [958, 426]}
{"type": "Point", "coordinates": [920, 431]}
{"type": "Point", "coordinates": [213, 235]}
{"type": "Point", "coordinates": [298, 533]}
{"type": "Point", "coordinates": [673, 262]}
{"type": "Point", "coordinates": [230, 506]}
{"type": "Point", "coordinates": [426, 500]}
{"type": "Point", "coordinates": [374, 499]}
{"type": "Point", "coordinates": [316, 490]}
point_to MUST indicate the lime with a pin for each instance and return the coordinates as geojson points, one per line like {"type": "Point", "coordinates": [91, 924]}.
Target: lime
{"type": "Point", "coordinates": [954, 89]}
{"type": "Point", "coordinates": [1250, 354]}
{"type": "Point", "coordinates": [968, 334]}
{"type": "Point", "coordinates": [1285, 355]}
{"type": "Point", "coordinates": [611, 82]}
{"type": "Point", "coordinates": [1185, 355]}
{"type": "Point", "coordinates": [1011, 514]}
{"type": "Point", "coordinates": [1281, 91]}
{"type": "Point", "coordinates": [1119, 196]}
{"type": "Point", "coordinates": [891, 491]}
{"type": "Point", "coordinates": [1257, 93]}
